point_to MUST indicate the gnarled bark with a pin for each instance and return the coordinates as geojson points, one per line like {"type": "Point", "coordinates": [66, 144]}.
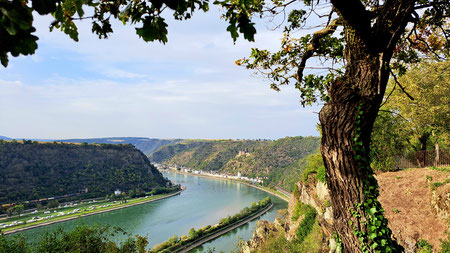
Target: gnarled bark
{"type": "Point", "coordinates": [359, 92]}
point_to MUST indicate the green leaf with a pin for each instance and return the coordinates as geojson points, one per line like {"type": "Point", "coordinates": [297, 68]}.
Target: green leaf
{"type": "Point", "coordinates": [233, 31]}
{"type": "Point", "coordinates": [153, 29]}
{"type": "Point", "coordinates": [372, 211]}
{"type": "Point", "coordinates": [44, 6]}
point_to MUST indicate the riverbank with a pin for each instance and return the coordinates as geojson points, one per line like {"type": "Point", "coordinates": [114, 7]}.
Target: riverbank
{"type": "Point", "coordinates": [90, 213]}
{"type": "Point", "coordinates": [197, 237]}
{"type": "Point", "coordinates": [224, 230]}
{"type": "Point", "coordinates": [262, 188]}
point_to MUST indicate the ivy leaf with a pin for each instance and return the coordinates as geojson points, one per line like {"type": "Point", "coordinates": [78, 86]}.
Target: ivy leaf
{"type": "Point", "coordinates": [372, 236]}
{"type": "Point", "coordinates": [372, 211]}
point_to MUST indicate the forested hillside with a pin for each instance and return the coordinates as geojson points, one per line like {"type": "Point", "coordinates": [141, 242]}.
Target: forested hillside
{"type": "Point", "coordinates": [31, 170]}
{"type": "Point", "coordinates": [146, 145]}
{"type": "Point", "coordinates": [278, 160]}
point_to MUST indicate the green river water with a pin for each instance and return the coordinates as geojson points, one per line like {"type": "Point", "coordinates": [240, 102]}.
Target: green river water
{"type": "Point", "coordinates": [204, 202]}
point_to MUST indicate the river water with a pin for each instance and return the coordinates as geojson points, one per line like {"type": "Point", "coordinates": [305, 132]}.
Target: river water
{"type": "Point", "coordinates": [204, 202]}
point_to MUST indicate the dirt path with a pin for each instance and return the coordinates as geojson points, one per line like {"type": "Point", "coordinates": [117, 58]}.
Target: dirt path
{"type": "Point", "coordinates": [406, 199]}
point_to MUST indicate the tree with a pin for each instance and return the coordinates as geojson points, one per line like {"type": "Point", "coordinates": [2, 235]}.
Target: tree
{"type": "Point", "coordinates": [53, 204]}
{"type": "Point", "coordinates": [404, 125]}
{"type": "Point", "coordinates": [373, 44]}
{"type": "Point", "coordinates": [19, 208]}
{"type": "Point", "coordinates": [426, 117]}
{"type": "Point", "coordinates": [10, 211]}
{"type": "Point", "coordinates": [367, 40]}
{"type": "Point", "coordinates": [388, 141]}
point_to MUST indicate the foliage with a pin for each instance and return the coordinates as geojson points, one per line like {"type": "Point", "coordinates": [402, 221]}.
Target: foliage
{"type": "Point", "coordinates": [281, 160]}
{"type": "Point", "coordinates": [30, 171]}
{"type": "Point", "coordinates": [377, 39]}
{"type": "Point", "coordinates": [81, 239]}
{"type": "Point", "coordinates": [14, 244]}
{"type": "Point", "coordinates": [277, 242]}
{"type": "Point", "coordinates": [146, 145]}
{"type": "Point", "coordinates": [388, 141]}
{"type": "Point", "coordinates": [315, 166]}
{"type": "Point", "coordinates": [149, 19]}
{"type": "Point", "coordinates": [443, 169]}
{"type": "Point", "coordinates": [438, 184]}
{"type": "Point", "coordinates": [417, 122]}
{"type": "Point", "coordinates": [378, 236]}
{"type": "Point", "coordinates": [174, 242]}
{"type": "Point", "coordinates": [445, 245]}
{"type": "Point", "coordinates": [424, 247]}
{"type": "Point", "coordinates": [307, 222]}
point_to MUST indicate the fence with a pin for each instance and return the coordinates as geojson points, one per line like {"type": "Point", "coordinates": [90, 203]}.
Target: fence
{"type": "Point", "coordinates": [425, 158]}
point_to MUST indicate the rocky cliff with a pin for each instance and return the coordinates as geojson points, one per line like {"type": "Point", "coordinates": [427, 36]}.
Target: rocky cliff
{"type": "Point", "coordinates": [416, 203]}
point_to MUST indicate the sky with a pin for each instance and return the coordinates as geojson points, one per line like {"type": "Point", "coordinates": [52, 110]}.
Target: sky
{"type": "Point", "coordinates": [122, 86]}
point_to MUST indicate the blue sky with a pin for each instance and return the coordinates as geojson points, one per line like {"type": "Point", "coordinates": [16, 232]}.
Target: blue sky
{"type": "Point", "coordinates": [122, 86]}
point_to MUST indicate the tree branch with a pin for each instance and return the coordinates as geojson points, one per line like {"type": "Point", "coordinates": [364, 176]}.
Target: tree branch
{"type": "Point", "coordinates": [354, 13]}
{"type": "Point", "coordinates": [399, 85]}
{"type": "Point", "coordinates": [330, 29]}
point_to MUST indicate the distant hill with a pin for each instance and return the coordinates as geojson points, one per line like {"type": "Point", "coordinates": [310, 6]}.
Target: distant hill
{"type": "Point", "coordinates": [5, 138]}
{"type": "Point", "coordinates": [282, 161]}
{"type": "Point", "coordinates": [146, 145]}
{"type": "Point", "coordinates": [32, 170]}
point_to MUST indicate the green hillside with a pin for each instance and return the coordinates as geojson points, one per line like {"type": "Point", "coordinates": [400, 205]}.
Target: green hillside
{"type": "Point", "coordinates": [32, 170]}
{"type": "Point", "coordinates": [278, 160]}
{"type": "Point", "coordinates": [146, 145]}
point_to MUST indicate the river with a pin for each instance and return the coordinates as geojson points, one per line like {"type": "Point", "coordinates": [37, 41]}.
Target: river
{"type": "Point", "coordinates": [204, 202]}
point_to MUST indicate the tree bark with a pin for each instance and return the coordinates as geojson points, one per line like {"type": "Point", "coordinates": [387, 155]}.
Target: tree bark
{"type": "Point", "coordinates": [355, 99]}
{"type": "Point", "coordinates": [345, 177]}
{"type": "Point", "coordinates": [437, 158]}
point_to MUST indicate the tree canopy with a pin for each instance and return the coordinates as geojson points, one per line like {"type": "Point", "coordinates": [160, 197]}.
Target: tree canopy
{"type": "Point", "coordinates": [428, 114]}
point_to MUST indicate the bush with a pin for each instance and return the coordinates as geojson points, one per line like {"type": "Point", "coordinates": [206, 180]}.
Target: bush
{"type": "Point", "coordinates": [307, 223]}
{"type": "Point", "coordinates": [445, 245]}
{"type": "Point", "coordinates": [81, 239]}
{"type": "Point", "coordinates": [424, 246]}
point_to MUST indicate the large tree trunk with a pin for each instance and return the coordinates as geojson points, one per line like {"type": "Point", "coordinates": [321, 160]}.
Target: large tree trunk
{"type": "Point", "coordinates": [345, 177]}
{"type": "Point", "coordinates": [347, 121]}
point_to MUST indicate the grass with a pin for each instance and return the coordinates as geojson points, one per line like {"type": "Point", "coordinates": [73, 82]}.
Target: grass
{"type": "Point", "coordinates": [277, 242]}
{"type": "Point", "coordinates": [438, 184]}
{"type": "Point", "coordinates": [443, 169]}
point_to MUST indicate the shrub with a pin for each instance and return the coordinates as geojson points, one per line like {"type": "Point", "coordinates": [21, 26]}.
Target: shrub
{"type": "Point", "coordinates": [424, 246]}
{"type": "Point", "coordinates": [307, 223]}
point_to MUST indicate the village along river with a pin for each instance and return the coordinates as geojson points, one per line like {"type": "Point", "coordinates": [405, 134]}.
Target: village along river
{"type": "Point", "coordinates": [204, 202]}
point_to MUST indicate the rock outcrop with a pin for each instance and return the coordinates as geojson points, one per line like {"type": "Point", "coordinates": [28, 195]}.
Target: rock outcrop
{"type": "Point", "coordinates": [414, 207]}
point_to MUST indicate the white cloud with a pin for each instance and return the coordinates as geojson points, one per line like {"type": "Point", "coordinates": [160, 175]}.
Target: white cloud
{"type": "Point", "coordinates": [122, 86]}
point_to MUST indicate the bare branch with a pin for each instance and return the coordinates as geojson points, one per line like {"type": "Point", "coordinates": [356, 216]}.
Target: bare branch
{"type": "Point", "coordinates": [401, 87]}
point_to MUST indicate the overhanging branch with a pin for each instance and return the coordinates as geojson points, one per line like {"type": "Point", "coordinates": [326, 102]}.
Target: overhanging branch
{"type": "Point", "coordinates": [399, 85]}
{"type": "Point", "coordinates": [312, 47]}
{"type": "Point", "coordinates": [354, 13]}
